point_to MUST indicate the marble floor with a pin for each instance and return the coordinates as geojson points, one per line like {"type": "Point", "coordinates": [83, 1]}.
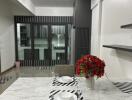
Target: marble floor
{"type": "Point", "coordinates": [12, 75]}
{"type": "Point", "coordinates": [29, 83]}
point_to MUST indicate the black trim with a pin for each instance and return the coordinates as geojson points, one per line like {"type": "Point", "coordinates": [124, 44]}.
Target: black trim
{"type": "Point", "coordinates": [128, 26]}
{"type": "Point", "coordinates": [16, 44]}
{"type": "Point", "coordinates": [50, 44]}
{"type": "Point", "coordinates": [32, 43]}
{"type": "Point", "coordinates": [119, 47]}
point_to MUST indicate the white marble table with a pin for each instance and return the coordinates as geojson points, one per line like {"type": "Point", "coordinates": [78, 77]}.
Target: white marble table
{"type": "Point", "coordinates": [38, 88]}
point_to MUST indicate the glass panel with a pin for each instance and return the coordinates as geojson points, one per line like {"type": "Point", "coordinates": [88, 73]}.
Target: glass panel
{"type": "Point", "coordinates": [24, 41]}
{"type": "Point", "coordinates": [58, 42]}
{"type": "Point", "coordinates": [41, 42]}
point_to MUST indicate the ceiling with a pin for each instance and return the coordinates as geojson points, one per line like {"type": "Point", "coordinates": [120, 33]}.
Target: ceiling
{"type": "Point", "coordinates": [53, 3]}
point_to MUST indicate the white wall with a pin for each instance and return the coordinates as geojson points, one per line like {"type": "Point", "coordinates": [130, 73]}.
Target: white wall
{"type": "Point", "coordinates": [7, 48]}
{"type": "Point", "coordinates": [114, 14]}
{"type": "Point", "coordinates": [7, 41]}
{"type": "Point", "coordinates": [28, 4]}
{"type": "Point", "coordinates": [19, 9]}
{"type": "Point", "coordinates": [54, 11]}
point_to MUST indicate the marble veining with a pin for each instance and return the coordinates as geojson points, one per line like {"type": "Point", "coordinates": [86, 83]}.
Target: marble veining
{"type": "Point", "coordinates": [39, 88]}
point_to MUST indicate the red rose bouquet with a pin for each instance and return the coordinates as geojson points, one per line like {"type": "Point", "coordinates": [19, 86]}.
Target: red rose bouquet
{"type": "Point", "coordinates": [90, 66]}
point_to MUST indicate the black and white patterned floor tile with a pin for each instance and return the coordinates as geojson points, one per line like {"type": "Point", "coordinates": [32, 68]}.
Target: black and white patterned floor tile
{"type": "Point", "coordinates": [77, 93]}
{"type": "Point", "coordinates": [125, 87]}
{"type": "Point", "coordinates": [73, 83]}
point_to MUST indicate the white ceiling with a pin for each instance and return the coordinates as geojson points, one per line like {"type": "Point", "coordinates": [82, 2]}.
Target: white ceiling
{"type": "Point", "coordinates": [53, 3]}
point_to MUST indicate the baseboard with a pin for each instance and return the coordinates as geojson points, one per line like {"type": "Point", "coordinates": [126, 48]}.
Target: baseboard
{"type": "Point", "coordinates": [6, 71]}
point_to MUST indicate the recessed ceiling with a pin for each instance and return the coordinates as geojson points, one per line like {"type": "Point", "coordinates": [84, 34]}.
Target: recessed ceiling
{"type": "Point", "coordinates": [53, 3]}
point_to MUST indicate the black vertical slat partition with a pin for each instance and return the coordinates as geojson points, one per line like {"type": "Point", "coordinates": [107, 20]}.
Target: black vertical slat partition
{"type": "Point", "coordinates": [44, 19]}
{"type": "Point", "coordinates": [41, 20]}
{"type": "Point", "coordinates": [82, 42]}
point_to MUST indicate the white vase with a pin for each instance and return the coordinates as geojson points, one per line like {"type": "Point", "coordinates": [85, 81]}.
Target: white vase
{"type": "Point", "coordinates": [90, 82]}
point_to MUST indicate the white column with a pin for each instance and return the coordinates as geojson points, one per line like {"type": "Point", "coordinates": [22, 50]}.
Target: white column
{"type": "Point", "coordinates": [96, 6]}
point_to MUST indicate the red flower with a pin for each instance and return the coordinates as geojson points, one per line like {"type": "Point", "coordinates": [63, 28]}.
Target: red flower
{"type": "Point", "coordinates": [90, 66]}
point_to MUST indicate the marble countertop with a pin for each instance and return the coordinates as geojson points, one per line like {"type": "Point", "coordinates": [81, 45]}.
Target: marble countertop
{"type": "Point", "coordinates": [39, 88]}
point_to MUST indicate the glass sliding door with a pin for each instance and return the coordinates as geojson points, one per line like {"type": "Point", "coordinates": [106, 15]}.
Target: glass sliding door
{"type": "Point", "coordinates": [24, 44]}
{"type": "Point", "coordinates": [41, 45]}
{"type": "Point", "coordinates": [58, 41]}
